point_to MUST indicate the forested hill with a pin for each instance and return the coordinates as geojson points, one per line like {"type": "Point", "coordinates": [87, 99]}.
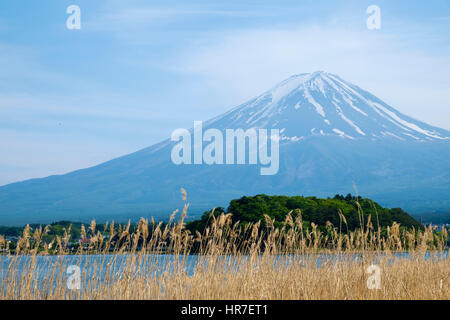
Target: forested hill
{"type": "Point", "coordinates": [319, 211]}
{"type": "Point", "coordinates": [252, 209]}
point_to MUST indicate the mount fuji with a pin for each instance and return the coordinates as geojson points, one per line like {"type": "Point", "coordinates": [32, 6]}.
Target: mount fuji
{"type": "Point", "coordinates": [334, 138]}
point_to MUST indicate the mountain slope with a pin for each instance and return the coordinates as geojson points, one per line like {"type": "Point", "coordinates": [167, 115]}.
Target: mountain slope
{"type": "Point", "coordinates": [324, 104]}
{"type": "Point", "coordinates": [333, 136]}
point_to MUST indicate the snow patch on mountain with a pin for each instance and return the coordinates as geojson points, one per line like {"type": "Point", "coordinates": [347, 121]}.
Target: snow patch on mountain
{"type": "Point", "coordinates": [311, 100]}
{"type": "Point", "coordinates": [406, 123]}
{"type": "Point", "coordinates": [342, 134]}
{"type": "Point", "coordinates": [287, 86]}
{"type": "Point", "coordinates": [321, 103]}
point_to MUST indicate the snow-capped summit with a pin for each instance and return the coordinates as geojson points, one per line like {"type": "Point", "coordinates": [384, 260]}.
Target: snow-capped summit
{"type": "Point", "coordinates": [334, 135]}
{"type": "Point", "coordinates": [322, 103]}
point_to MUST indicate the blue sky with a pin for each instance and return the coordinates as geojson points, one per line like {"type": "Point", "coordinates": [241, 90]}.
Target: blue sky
{"type": "Point", "coordinates": [137, 70]}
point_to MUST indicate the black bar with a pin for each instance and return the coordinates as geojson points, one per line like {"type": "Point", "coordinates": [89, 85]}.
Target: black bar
{"type": "Point", "coordinates": [222, 309]}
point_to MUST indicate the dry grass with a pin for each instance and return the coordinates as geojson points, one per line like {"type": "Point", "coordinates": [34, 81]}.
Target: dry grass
{"type": "Point", "coordinates": [232, 262]}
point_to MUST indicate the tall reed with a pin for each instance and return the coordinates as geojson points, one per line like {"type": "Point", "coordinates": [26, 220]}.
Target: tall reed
{"type": "Point", "coordinates": [229, 260]}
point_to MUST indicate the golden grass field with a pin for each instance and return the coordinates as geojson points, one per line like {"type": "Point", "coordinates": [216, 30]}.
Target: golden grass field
{"type": "Point", "coordinates": [234, 262]}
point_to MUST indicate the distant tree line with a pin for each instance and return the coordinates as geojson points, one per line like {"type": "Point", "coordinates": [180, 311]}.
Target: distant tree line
{"type": "Point", "coordinates": [345, 212]}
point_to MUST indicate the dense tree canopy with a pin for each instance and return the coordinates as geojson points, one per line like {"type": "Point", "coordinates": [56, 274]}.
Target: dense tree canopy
{"type": "Point", "coordinates": [319, 211]}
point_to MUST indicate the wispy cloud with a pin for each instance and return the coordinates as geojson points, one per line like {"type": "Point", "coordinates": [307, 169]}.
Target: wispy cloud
{"type": "Point", "coordinates": [137, 24]}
